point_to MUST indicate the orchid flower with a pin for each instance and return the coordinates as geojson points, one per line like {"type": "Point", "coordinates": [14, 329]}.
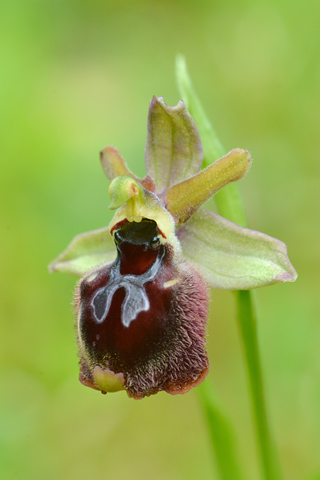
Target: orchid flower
{"type": "Point", "coordinates": [142, 302]}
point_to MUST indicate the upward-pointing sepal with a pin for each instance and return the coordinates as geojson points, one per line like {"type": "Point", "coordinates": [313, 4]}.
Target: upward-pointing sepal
{"type": "Point", "coordinates": [173, 149]}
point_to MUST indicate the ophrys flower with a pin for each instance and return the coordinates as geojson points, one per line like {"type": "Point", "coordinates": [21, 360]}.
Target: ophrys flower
{"type": "Point", "coordinates": [142, 305]}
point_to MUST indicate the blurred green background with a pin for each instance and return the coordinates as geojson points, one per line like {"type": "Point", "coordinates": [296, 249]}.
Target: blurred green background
{"type": "Point", "coordinates": [78, 75]}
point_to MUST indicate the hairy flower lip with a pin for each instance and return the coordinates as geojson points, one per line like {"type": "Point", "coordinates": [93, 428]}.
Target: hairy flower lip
{"type": "Point", "coordinates": [166, 349]}
{"type": "Point", "coordinates": [187, 388]}
{"type": "Point", "coordinates": [177, 390]}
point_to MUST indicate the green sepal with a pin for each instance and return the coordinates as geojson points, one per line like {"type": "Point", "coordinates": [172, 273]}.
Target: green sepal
{"type": "Point", "coordinates": [85, 251]}
{"type": "Point", "coordinates": [173, 149]}
{"type": "Point", "coordinates": [232, 257]}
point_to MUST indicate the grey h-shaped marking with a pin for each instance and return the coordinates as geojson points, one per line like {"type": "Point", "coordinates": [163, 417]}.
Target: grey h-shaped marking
{"type": "Point", "coordinates": [136, 299]}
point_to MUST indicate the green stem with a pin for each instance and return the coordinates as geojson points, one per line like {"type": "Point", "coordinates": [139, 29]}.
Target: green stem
{"type": "Point", "coordinates": [248, 329]}
{"type": "Point", "coordinates": [230, 206]}
{"type": "Point", "coordinates": [221, 433]}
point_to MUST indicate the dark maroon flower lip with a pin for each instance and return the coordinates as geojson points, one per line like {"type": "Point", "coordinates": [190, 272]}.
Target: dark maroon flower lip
{"type": "Point", "coordinates": [142, 319]}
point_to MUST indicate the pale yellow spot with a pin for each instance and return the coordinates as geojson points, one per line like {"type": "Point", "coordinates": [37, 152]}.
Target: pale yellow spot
{"type": "Point", "coordinates": [171, 283]}
{"type": "Point", "coordinates": [107, 380]}
{"type": "Point", "coordinates": [91, 277]}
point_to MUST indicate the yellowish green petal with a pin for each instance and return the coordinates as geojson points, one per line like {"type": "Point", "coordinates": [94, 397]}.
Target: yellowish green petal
{"type": "Point", "coordinates": [86, 251]}
{"type": "Point", "coordinates": [233, 257]}
{"type": "Point", "coordinates": [113, 164]}
{"type": "Point", "coordinates": [185, 198]}
{"type": "Point", "coordinates": [173, 148]}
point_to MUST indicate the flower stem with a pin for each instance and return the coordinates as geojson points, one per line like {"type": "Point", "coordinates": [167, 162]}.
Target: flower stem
{"type": "Point", "coordinates": [248, 329]}
{"type": "Point", "coordinates": [221, 433]}
{"type": "Point", "coordinates": [229, 205]}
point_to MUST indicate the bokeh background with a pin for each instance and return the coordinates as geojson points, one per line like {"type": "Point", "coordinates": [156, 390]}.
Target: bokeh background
{"type": "Point", "coordinates": [78, 75]}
